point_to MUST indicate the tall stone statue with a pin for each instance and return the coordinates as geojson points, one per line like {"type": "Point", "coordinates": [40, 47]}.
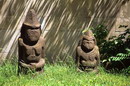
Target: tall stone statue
{"type": "Point", "coordinates": [87, 53]}
{"type": "Point", "coordinates": [31, 45]}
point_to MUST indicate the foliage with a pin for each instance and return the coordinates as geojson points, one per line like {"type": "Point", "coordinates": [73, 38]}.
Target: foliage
{"type": "Point", "coordinates": [126, 71]}
{"type": "Point", "coordinates": [100, 33]}
{"type": "Point", "coordinates": [116, 45]}
{"type": "Point", "coordinates": [112, 50]}
{"type": "Point", "coordinates": [112, 46]}
{"type": "Point", "coordinates": [60, 75]}
{"type": "Point", "coordinates": [120, 56]}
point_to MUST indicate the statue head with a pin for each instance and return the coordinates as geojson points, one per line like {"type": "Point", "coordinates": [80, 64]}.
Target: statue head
{"type": "Point", "coordinates": [31, 29]}
{"type": "Point", "coordinates": [88, 40]}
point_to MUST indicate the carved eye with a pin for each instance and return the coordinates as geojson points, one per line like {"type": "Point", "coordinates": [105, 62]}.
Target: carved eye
{"type": "Point", "coordinates": [28, 51]}
{"type": "Point", "coordinates": [84, 39]}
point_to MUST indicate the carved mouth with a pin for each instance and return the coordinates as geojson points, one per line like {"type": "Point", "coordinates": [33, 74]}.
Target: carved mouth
{"type": "Point", "coordinates": [32, 56]}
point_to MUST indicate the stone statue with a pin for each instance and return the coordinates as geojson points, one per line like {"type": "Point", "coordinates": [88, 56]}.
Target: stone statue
{"type": "Point", "coordinates": [87, 53]}
{"type": "Point", "coordinates": [31, 45]}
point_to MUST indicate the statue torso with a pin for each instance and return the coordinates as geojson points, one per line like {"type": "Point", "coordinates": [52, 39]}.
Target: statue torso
{"type": "Point", "coordinates": [88, 59]}
{"type": "Point", "coordinates": [33, 53]}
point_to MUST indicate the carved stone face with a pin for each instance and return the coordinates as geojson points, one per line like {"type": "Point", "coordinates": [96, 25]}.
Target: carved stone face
{"type": "Point", "coordinates": [33, 34]}
{"type": "Point", "coordinates": [88, 42]}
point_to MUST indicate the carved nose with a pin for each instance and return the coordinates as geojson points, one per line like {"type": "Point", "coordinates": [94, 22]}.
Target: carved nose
{"type": "Point", "coordinates": [33, 52]}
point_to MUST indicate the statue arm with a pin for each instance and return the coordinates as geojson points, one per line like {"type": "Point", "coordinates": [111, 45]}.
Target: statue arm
{"type": "Point", "coordinates": [33, 65]}
{"type": "Point", "coordinates": [42, 43]}
{"type": "Point", "coordinates": [77, 58]}
{"type": "Point", "coordinates": [19, 50]}
{"type": "Point", "coordinates": [43, 49]}
{"type": "Point", "coordinates": [39, 64]}
{"type": "Point", "coordinates": [21, 62]}
{"type": "Point", "coordinates": [42, 60]}
{"type": "Point", "coordinates": [27, 65]}
{"type": "Point", "coordinates": [80, 53]}
{"type": "Point", "coordinates": [98, 59]}
{"type": "Point", "coordinates": [21, 43]}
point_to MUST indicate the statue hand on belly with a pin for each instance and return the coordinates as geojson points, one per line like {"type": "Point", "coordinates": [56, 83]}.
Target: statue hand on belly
{"type": "Point", "coordinates": [30, 66]}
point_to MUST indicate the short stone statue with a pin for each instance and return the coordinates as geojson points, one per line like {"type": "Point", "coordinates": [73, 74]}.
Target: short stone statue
{"type": "Point", "coordinates": [31, 45]}
{"type": "Point", "coordinates": [87, 53]}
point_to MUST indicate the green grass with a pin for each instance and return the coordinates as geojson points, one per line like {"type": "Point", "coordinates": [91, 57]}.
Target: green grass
{"type": "Point", "coordinates": [60, 75]}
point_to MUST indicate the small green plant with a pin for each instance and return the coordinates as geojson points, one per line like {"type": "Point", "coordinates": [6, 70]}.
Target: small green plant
{"type": "Point", "coordinates": [120, 56]}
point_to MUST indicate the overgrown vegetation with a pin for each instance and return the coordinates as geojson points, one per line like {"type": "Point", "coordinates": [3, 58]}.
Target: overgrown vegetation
{"type": "Point", "coordinates": [60, 75]}
{"type": "Point", "coordinates": [114, 49]}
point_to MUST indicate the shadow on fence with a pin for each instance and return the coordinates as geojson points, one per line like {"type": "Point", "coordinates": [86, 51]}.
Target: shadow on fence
{"type": "Point", "coordinates": [64, 21]}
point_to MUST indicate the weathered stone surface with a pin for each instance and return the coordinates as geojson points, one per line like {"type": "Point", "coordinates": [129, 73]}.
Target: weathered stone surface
{"type": "Point", "coordinates": [31, 45]}
{"type": "Point", "coordinates": [87, 53]}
